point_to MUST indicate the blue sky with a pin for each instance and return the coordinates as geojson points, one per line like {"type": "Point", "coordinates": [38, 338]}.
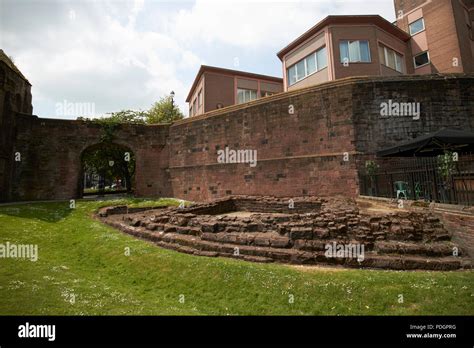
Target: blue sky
{"type": "Point", "coordinates": [126, 54]}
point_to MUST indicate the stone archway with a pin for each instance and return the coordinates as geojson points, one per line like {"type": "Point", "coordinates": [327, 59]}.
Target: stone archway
{"type": "Point", "coordinates": [106, 168]}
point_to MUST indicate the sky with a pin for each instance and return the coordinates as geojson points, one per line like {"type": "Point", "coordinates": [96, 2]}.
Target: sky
{"type": "Point", "coordinates": [88, 58]}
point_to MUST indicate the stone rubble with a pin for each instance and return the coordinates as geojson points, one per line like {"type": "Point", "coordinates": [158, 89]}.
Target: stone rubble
{"type": "Point", "coordinates": [273, 232]}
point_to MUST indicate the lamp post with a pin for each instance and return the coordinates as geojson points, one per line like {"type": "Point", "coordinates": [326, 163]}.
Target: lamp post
{"type": "Point", "coordinates": [172, 99]}
{"type": "Point", "coordinates": [172, 104]}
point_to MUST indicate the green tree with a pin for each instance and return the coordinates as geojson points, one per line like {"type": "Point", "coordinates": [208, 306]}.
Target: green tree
{"type": "Point", "coordinates": [110, 161]}
{"type": "Point", "coordinates": [164, 111]}
{"type": "Point", "coordinates": [98, 159]}
{"type": "Point", "coordinates": [126, 116]}
{"type": "Point", "coordinates": [371, 168]}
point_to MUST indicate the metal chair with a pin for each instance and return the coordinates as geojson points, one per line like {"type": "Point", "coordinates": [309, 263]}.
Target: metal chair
{"type": "Point", "coordinates": [401, 188]}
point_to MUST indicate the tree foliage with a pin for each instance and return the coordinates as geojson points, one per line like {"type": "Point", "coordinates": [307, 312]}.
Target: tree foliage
{"type": "Point", "coordinates": [164, 111]}
{"type": "Point", "coordinates": [112, 161]}
{"type": "Point", "coordinates": [126, 116]}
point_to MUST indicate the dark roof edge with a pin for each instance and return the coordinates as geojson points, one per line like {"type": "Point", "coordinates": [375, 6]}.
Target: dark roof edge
{"type": "Point", "coordinates": [208, 68]}
{"type": "Point", "coordinates": [341, 19]}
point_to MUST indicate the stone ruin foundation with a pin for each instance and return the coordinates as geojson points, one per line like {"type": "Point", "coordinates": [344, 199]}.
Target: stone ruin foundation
{"type": "Point", "coordinates": [266, 229]}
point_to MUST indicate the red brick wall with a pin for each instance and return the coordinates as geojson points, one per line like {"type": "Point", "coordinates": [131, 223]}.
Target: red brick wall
{"type": "Point", "coordinates": [446, 32]}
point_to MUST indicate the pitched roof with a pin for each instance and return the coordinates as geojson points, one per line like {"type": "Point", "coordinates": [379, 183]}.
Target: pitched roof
{"type": "Point", "coordinates": [7, 60]}
{"type": "Point", "coordinates": [207, 68]}
{"type": "Point", "coordinates": [351, 19]}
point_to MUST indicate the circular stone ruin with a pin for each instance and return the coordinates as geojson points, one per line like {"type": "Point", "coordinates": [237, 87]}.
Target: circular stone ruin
{"type": "Point", "coordinates": [305, 230]}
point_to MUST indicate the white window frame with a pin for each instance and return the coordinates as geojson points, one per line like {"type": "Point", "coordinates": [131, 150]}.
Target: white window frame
{"type": "Point", "coordinates": [423, 29]}
{"type": "Point", "coordinates": [195, 106]}
{"type": "Point", "coordinates": [419, 54]}
{"type": "Point", "coordinates": [360, 55]}
{"type": "Point", "coordinates": [295, 65]}
{"type": "Point", "coordinates": [245, 90]}
{"type": "Point", "coordinates": [385, 50]}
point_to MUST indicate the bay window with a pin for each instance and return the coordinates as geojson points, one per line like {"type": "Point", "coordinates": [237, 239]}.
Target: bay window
{"type": "Point", "coordinates": [310, 64]}
{"type": "Point", "coordinates": [355, 51]}
{"type": "Point", "coordinates": [390, 58]}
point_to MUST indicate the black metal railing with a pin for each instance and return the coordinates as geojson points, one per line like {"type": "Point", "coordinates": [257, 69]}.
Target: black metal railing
{"type": "Point", "coordinates": [420, 178]}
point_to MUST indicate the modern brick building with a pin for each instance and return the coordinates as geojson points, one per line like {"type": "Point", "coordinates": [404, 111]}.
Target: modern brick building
{"type": "Point", "coordinates": [430, 36]}
{"type": "Point", "coordinates": [344, 46]}
{"type": "Point", "coordinates": [215, 88]}
{"type": "Point", "coordinates": [442, 34]}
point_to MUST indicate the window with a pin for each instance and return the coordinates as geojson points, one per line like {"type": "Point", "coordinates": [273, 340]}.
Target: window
{"type": "Point", "coordinates": [392, 59]}
{"type": "Point", "coordinates": [322, 58]}
{"type": "Point", "coordinates": [310, 64]}
{"type": "Point", "coordinates": [355, 51]}
{"type": "Point", "coordinates": [301, 69]}
{"type": "Point", "coordinates": [195, 107]}
{"type": "Point", "coordinates": [421, 59]}
{"type": "Point", "coordinates": [200, 98]}
{"type": "Point", "coordinates": [417, 26]}
{"type": "Point", "coordinates": [191, 110]}
{"type": "Point", "coordinates": [246, 95]}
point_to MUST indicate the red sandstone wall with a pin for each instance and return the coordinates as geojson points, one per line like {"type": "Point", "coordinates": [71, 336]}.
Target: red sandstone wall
{"type": "Point", "coordinates": [50, 166]}
{"type": "Point", "coordinates": [15, 96]}
{"type": "Point", "coordinates": [297, 154]}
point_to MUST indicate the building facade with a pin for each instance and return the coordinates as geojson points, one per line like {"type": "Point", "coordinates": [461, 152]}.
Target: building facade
{"type": "Point", "coordinates": [442, 34]}
{"type": "Point", "coordinates": [429, 36]}
{"type": "Point", "coordinates": [215, 88]}
{"type": "Point", "coordinates": [344, 46]}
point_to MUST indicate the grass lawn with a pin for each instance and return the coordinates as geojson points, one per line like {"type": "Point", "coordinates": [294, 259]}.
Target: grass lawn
{"type": "Point", "coordinates": [83, 270]}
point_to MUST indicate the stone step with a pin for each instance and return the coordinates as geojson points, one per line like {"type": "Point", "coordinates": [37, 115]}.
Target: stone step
{"type": "Point", "coordinates": [404, 248]}
{"type": "Point", "coordinates": [272, 239]}
{"type": "Point", "coordinates": [195, 245]}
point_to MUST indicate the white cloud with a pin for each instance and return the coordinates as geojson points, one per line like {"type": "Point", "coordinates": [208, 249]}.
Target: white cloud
{"type": "Point", "coordinates": [101, 60]}
{"type": "Point", "coordinates": [127, 54]}
{"type": "Point", "coordinates": [265, 22]}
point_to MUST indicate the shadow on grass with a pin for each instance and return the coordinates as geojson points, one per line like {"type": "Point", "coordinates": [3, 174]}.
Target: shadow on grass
{"type": "Point", "coordinates": [53, 212]}
{"type": "Point", "coordinates": [48, 212]}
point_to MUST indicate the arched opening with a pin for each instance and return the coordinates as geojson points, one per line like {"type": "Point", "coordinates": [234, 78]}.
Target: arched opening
{"type": "Point", "coordinates": [107, 168]}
